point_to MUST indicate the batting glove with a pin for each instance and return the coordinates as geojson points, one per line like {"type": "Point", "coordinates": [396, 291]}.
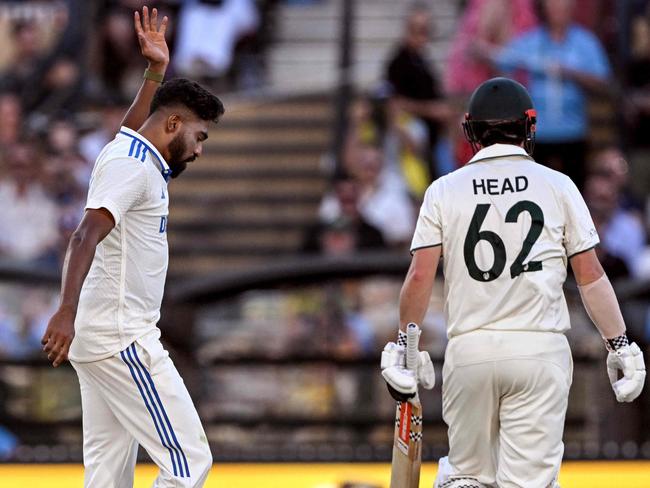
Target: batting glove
{"type": "Point", "coordinates": [403, 382]}
{"type": "Point", "coordinates": [629, 360]}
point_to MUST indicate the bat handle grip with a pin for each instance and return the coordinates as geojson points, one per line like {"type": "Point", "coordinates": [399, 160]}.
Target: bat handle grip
{"type": "Point", "coordinates": [412, 339]}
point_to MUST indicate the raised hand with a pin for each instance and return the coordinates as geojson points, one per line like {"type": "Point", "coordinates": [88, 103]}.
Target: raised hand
{"type": "Point", "coordinates": [151, 38]}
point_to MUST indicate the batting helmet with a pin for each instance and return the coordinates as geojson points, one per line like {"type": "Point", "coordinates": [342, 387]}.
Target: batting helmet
{"type": "Point", "coordinates": [500, 110]}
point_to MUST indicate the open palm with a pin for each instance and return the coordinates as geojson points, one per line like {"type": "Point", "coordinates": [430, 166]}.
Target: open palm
{"type": "Point", "coordinates": [151, 37]}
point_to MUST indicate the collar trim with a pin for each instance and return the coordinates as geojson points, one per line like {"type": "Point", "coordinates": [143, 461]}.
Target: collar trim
{"type": "Point", "coordinates": [165, 171]}
{"type": "Point", "coordinates": [496, 151]}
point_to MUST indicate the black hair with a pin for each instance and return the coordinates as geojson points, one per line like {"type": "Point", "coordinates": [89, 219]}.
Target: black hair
{"type": "Point", "coordinates": [181, 91]}
{"type": "Point", "coordinates": [505, 132]}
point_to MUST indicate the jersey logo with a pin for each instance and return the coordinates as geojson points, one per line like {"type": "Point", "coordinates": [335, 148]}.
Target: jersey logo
{"type": "Point", "coordinates": [163, 224]}
{"type": "Point", "coordinates": [138, 150]}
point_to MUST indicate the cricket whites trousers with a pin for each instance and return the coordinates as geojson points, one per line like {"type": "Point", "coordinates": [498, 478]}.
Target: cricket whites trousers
{"type": "Point", "coordinates": [504, 398]}
{"type": "Point", "coordinates": [137, 397]}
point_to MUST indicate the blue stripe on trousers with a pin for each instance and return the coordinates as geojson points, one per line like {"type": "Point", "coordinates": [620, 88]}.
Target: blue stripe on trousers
{"type": "Point", "coordinates": [155, 423]}
{"type": "Point", "coordinates": [169, 425]}
{"type": "Point", "coordinates": [157, 406]}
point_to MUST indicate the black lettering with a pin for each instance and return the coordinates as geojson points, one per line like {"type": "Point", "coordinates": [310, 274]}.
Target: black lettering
{"type": "Point", "coordinates": [507, 186]}
{"type": "Point", "coordinates": [521, 183]}
{"type": "Point", "coordinates": [493, 186]}
{"type": "Point", "coordinates": [480, 185]}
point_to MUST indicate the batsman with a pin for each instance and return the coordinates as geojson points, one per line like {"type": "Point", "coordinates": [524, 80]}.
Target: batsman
{"type": "Point", "coordinates": [506, 227]}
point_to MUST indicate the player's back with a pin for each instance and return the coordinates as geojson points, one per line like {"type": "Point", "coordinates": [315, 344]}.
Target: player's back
{"type": "Point", "coordinates": [507, 226]}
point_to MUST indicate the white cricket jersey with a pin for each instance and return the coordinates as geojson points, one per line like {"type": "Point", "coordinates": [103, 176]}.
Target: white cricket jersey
{"type": "Point", "coordinates": [507, 226]}
{"type": "Point", "coordinates": [121, 296]}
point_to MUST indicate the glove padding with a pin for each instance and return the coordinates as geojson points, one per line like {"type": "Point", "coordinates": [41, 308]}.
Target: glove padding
{"type": "Point", "coordinates": [403, 382]}
{"type": "Point", "coordinates": [628, 359]}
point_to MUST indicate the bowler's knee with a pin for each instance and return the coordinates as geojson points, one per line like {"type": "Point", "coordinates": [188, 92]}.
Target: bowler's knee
{"type": "Point", "coordinates": [201, 464]}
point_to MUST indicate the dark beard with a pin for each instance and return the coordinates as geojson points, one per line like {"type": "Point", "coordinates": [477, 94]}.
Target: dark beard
{"type": "Point", "coordinates": [176, 150]}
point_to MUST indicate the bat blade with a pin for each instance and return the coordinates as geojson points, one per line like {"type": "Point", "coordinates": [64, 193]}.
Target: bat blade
{"type": "Point", "coordinates": [407, 440]}
{"type": "Point", "coordinates": [407, 445]}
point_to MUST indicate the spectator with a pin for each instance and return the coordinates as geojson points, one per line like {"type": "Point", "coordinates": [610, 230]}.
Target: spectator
{"type": "Point", "coordinates": [29, 219]}
{"type": "Point", "coordinates": [484, 22]}
{"type": "Point", "coordinates": [636, 100]}
{"type": "Point", "coordinates": [117, 63]}
{"type": "Point", "coordinates": [110, 114]}
{"type": "Point", "coordinates": [208, 33]}
{"type": "Point", "coordinates": [562, 62]}
{"type": "Point", "coordinates": [403, 138]}
{"type": "Point", "coordinates": [413, 83]}
{"type": "Point", "coordinates": [611, 163]}
{"type": "Point", "coordinates": [621, 232]}
{"type": "Point", "coordinates": [383, 199]}
{"type": "Point", "coordinates": [11, 114]}
{"type": "Point", "coordinates": [48, 80]}
{"type": "Point", "coordinates": [341, 228]}
{"type": "Point", "coordinates": [63, 144]}
{"type": "Point", "coordinates": [27, 54]}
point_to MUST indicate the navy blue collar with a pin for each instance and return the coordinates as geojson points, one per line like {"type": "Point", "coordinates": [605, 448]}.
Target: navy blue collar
{"type": "Point", "coordinates": [165, 170]}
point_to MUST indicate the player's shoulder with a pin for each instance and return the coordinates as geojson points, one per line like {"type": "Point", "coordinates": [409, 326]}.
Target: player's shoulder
{"type": "Point", "coordinates": [119, 155]}
{"type": "Point", "coordinates": [124, 150]}
{"type": "Point", "coordinates": [554, 177]}
{"type": "Point", "coordinates": [523, 172]}
{"type": "Point", "coordinates": [124, 147]}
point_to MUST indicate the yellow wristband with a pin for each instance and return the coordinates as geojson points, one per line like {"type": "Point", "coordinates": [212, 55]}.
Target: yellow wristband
{"type": "Point", "coordinates": [150, 75]}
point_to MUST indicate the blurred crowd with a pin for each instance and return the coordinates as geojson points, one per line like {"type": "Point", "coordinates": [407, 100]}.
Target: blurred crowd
{"type": "Point", "coordinates": [65, 86]}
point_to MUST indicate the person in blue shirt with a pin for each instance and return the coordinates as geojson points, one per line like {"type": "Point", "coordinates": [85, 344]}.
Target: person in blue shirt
{"type": "Point", "coordinates": [561, 62]}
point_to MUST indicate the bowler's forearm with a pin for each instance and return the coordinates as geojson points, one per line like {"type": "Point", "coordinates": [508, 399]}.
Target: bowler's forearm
{"type": "Point", "coordinates": [139, 109]}
{"type": "Point", "coordinates": [78, 259]}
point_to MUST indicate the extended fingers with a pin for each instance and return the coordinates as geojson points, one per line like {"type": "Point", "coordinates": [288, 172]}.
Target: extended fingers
{"type": "Point", "coordinates": [138, 24]}
{"type": "Point", "coordinates": [154, 20]}
{"type": "Point", "coordinates": [163, 25]}
{"type": "Point", "coordinates": [145, 19]}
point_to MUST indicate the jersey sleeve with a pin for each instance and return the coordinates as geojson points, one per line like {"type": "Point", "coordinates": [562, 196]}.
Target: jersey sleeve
{"type": "Point", "coordinates": [428, 230]}
{"type": "Point", "coordinates": [579, 232]}
{"type": "Point", "coordinates": [118, 186]}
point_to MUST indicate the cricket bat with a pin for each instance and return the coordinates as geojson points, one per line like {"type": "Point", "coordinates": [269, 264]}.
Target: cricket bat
{"type": "Point", "coordinates": [407, 441]}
